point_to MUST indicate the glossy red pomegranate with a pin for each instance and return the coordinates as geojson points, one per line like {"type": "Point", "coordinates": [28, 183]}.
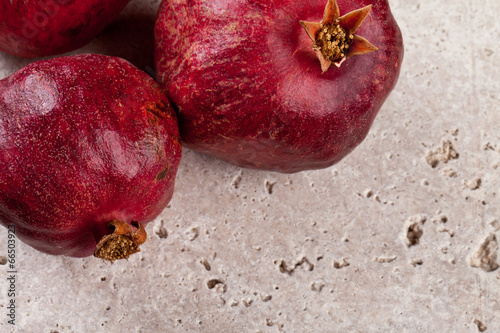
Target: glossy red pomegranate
{"type": "Point", "coordinates": [277, 85]}
{"type": "Point", "coordinates": [34, 28]}
{"type": "Point", "coordinates": [89, 150]}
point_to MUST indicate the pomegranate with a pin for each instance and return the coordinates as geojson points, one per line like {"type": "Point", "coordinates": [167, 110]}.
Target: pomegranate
{"type": "Point", "coordinates": [253, 84]}
{"type": "Point", "coordinates": [34, 28]}
{"type": "Point", "coordinates": [89, 150]}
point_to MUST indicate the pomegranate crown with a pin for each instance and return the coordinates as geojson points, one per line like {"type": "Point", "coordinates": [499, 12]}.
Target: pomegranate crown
{"type": "Point", "coordinates": [334, 38]}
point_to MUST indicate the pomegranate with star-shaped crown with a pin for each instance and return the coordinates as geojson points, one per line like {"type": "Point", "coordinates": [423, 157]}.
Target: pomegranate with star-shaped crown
{"type": "Point", "coordinates": [277, 85]}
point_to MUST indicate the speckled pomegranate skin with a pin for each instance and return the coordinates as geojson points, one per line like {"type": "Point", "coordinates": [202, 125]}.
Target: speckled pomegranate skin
{"type": "Point", "coordinates": [83, 140]}
{"type": "Point", "coordinates": [34, 28]}
{"type": "Point", "coordinates": [248, 87]}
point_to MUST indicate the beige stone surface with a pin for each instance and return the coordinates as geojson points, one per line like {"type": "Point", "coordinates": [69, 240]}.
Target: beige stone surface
{"type": "Point", "coordinates": [400, 236]}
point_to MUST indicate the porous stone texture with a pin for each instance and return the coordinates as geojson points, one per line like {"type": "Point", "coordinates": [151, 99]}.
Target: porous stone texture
{"type": "Point", "coordinates": [400, 236]}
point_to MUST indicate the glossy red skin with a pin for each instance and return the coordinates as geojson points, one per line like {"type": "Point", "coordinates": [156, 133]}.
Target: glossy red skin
{"type": "Point", "coordinates": [249, 89]}
{"type": "Point", "coordinates": [83, 140]}
{"type": "Point", "coordinates": [34, 28]}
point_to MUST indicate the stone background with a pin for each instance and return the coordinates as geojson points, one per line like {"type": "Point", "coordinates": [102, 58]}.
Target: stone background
{"type": "Point", "coordinates": [401, 236]}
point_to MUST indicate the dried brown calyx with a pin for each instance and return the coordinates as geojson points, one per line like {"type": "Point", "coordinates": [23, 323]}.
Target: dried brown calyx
{"type": "Point", "coordinates": [123, 242]}
{"type": "Point", "coordinates": [334, 37]}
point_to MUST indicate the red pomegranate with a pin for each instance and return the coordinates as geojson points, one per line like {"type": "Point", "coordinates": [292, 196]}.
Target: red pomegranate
{"type": "Point", "coordinates": [89, 150]}
{"type": "Point", "coordinates": [252, 83]}
{"type": "Point", "coordinates": [34, 28]}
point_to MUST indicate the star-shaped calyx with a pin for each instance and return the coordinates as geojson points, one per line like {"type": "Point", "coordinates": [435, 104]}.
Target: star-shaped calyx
{"type": "Point", "coordinates": [334, 37]}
